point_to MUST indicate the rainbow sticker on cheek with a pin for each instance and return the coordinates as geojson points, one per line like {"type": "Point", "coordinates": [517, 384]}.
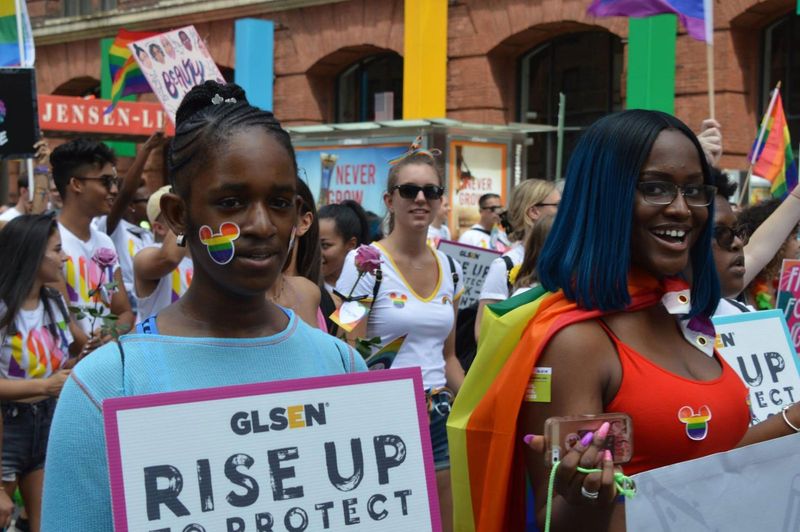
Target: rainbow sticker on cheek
{"type": "Point", "coordinates": [220, 245]}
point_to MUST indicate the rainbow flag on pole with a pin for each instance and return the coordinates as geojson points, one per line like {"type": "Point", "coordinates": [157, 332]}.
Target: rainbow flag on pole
{"type": "Point", "coordinates": [13, 17]}
{"type": "Point", "coordinates": [126, 77]}
{"type": "Point", "coordinates": [695, 15]}
{"type": "Point", "coordinates": [773, 159]}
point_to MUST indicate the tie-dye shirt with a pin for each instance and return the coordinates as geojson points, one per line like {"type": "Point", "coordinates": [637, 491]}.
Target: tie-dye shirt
{"type": "Point", "coordinates": [34, 347]}
{"type": "Point", "coordinates": [83, 275]}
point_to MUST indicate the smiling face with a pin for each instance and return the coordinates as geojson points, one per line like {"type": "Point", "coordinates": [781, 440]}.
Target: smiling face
{"type": "Point", "coordinates": [490, 212]}
{"type": "Point", "coordinates": [334, 249]}
{"type": "Point", "coordinates": [418, 213]}
{"type": "Point", "coordinates": [251, 182]}
{"type": "Point", "coordinates": [53, 260]}
{"type": "Point", "coordinates": [95, 196]}
{"type": "Point", "coordinates": [729, 261]}
{"type": "Point", "coordinates": [664, 234]}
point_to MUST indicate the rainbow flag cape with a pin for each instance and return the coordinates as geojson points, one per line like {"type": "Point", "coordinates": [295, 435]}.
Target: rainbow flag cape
{"type": "Point", "coordinates": [695, 15]}
{"type": "Point", "coordinates": [486, 463]}
{"type": "Point", "coordinates": [10, 38]}
{"type": "Point", "coordinates": [774, 159]}
{"type": "Point", "coordinates": [126, 76]}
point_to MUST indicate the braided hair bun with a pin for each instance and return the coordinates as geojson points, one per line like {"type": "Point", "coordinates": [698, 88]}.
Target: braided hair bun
{"type": "Point", "coordinates": [204, 95]}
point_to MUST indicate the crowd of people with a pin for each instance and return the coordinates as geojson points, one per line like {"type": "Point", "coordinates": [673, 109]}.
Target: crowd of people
{"type": "Point", "coordinates": [109, 289]}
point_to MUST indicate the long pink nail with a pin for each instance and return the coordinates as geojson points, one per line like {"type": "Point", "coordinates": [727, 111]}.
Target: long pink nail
{"type": "Point", "coordinates": [528, 438]}
{"type": "Point", "coordinates": [607, 456]}
{"type": "Point", "coordinates": [587, 438]}
{"type": "Point", "coordinates": [603, 430]}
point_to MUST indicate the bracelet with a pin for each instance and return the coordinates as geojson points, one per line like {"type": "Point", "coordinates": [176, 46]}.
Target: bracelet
{"type": "Point", "coordinates": [786, 419]}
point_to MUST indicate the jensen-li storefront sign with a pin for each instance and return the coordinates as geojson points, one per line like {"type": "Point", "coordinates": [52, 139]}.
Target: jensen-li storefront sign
{"type": "Point", "coordinates": [78, 115]}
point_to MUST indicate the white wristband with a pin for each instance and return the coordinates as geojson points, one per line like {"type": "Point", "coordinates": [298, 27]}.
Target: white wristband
{"type": "Point", "coordinates": [786, 419]}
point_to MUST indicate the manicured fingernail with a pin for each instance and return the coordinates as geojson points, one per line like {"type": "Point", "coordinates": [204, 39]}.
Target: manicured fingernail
{"type": "Point", "coordinates": [603, 430]}
{"type": "Point", "coordinates": [607, 456]}
{"type": "Point", "coordinates": [528, 438]}
{"type": "Point", "coordinates": [587, 438]}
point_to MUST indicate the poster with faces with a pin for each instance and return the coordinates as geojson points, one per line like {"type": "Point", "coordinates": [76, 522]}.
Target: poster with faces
{"type": "Point", "coordinates": [173, 63]}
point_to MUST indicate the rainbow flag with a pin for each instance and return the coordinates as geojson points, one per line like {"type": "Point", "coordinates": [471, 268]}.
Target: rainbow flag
{"type": "Point", "coordinates": [774, 160]}
{"type": "Point", "coordinates": [126, 76]}
{"type": "Point", "coordinates": [10, 38]}
{"type": "Point", "coordinates": [696, 15]}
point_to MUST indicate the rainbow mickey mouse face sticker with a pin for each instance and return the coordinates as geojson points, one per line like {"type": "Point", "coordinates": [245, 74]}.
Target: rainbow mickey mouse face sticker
{"type": "Point", "coordinates": [696, 422]}
{"type": "Point", "coordinates": [220, 245]}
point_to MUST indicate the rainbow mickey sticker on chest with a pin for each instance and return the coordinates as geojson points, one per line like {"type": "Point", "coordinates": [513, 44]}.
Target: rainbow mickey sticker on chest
{"type": "Point", "coordinates": [696, 422]}
{"type": "Point", "coordinates": [398, 299]}
{"type": "Point", "coordinates": [220, 245]}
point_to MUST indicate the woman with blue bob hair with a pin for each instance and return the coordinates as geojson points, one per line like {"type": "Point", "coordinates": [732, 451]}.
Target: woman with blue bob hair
{"type": "Point", "coordinates": [624, 328]}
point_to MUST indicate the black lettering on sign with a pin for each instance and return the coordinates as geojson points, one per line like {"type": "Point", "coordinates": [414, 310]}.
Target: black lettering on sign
{"type": "Point", "coordinates": [238, 478]}
{"type": "Point", "coordinates": [324, 507]}
{"type": "Point", "coordinates": [376, 516]}
{"type": "Point", "coordinates": [331, 459]}
{"type": "Point", "coordinates": [384, 461]}
{"type": "Point", "coordinates": [235, 524]}
{"type": "Point", "coordinates": [278, 474]}
{"type": "Point", "coordinates": [288, 520]}
{"type": "Point", "coordinates": [167, 496]}
{"type": "Point", "coordinates": [348, 506]}
{"type": "Point", "coordinates": [751, 380]}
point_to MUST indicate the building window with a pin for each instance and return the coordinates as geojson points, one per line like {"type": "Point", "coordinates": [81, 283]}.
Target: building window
{"type": "Point", "coordinates": [782, 63]}
{"type": "Point", "coordinates": [587, 68]}
{"type": "Point", "coordinates": [371, 89]}
{"type": "Point", "coordinates": [73, 8]}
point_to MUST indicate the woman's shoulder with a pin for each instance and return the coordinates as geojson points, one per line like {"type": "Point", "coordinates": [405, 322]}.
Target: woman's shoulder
{"type": "Point", "coordinates": [99, 373]}
{"type": "Point", "coordinates": [308, 289]}
{"type": "Point", "coordinates": [578, 343]}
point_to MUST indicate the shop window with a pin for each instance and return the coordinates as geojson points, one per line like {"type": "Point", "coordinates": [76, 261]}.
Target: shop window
{"type": "Point", "coordinates": [587, 68]}
{"type": "Point", "coordinates": [74, 8]}
{"type": "Point", "coordinates": [371, 89]}
{"type": "Point", "coordinates": [781, 62]}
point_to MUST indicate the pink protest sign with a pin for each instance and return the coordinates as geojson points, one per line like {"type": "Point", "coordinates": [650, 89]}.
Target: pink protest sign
{"type": "Point", "coordinates": [173, 63]}
{"type": "Point", "coordinates": [788, 297]}
{"type": "Point", "coordinates": [327, 453]}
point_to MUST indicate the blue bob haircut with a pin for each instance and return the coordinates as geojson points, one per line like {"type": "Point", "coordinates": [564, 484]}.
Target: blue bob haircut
{"type": "Point", "coordinates": [588, 251]}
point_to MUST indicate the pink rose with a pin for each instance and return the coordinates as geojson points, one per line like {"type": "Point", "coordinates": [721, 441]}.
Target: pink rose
{"type": "Point", "coordinates": [104, 257]}
{"type": "Point", "coordinates": [368, 259]}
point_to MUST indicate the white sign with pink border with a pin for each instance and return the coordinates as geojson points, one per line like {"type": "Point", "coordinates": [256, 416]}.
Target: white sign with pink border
{"type": "Point", "coordinates": [349, 452]}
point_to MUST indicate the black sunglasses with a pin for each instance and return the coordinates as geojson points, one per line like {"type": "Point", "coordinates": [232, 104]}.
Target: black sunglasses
{"type": "Point", "coordinates": [409, 191]}
{"type": "Point", "coordinates": [725, 235]}
{"type": "Point", "coordinates": [108, 180]}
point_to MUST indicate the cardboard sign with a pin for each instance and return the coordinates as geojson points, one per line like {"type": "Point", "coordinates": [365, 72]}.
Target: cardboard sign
{"type": "Point", "coordinates": [19, 126]}
{"type": "Point", "coordinates": [757, 346]}
{"type": "Point", "coordinates": [173, 63]}
{"type": "Point", "coordinates": [789, 296]}
{"type": "Point", "coordinates": [753, 488]}
{"type": "Point", "coordinates": [347, 452]}
{"type": "Point", "coordinates": [357, 173]}
{"type": "Point", "coordinates": [475, 265]}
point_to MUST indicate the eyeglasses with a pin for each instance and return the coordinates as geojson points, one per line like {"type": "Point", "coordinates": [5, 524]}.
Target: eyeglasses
{"type": "Point", "coordinates": [664, 193]}
{"type": "Point", "coordinates": [725, 235]}
{"type": "Point", "coordinates": [546, 205]}
{"type": "Point", "coordinates": [139, 200]}
{"type": "Point", "coordinates": [409, 191]}
{"type": "Point", "coordinates": [493, 208]}
{"type": "Point", "coordinates": [109, 180]}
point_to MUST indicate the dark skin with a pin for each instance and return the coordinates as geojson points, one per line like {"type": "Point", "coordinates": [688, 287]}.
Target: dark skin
{"type": "Point", "coordinates": [586, 384]}
{"type": "Point", "coordinates": [249, 181]}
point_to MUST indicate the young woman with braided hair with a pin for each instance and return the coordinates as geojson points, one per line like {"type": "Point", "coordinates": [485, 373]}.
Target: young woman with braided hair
{"type": "Point", "coordinates": [232, 168]}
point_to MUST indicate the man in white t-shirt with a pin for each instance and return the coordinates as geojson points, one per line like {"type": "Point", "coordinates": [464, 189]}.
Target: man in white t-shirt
{"type": "Point", "coordinates": [86, 178]}
{"type": "Point", "coordinates": [487, 233]}
{"type": "Point", "coordinates": [24, 205]}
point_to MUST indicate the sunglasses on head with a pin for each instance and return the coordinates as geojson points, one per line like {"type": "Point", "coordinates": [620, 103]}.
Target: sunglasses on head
{"type": "Point", "coordinates": [409, 191]}
{"type": "Point", "coordinates": [725, 235]}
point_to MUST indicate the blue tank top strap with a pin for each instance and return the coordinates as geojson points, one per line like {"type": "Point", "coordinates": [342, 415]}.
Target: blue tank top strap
{"type": "Point", "coordinates": [148, 326]}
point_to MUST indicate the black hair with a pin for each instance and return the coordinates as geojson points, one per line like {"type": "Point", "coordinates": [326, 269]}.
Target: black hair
{"type": "Point", "coordinates": [375, 223]}
{"type": "Point", "coordinates": [67, 158]}
{"type": "Point", "coordinates": [157, 47]}
{"type": "Point", "coordinates": [22, 181]}
{"type": "Point", "coordinates": [206, 119]}
{"type": "Point", "coordinates": [754, 215]}
{"type": "Point", "coordinates": [309, 254]}
{"type": "Point", "coordinates": [138, 49]}
{"type": "Point", "coordinates": [482, 199]}
{"type": "Point", "coordinates": [349, 219]}
{"type": "Point", "coordinates": [23, 242]}
{"type": "Point", "coordinates": [725, 187]}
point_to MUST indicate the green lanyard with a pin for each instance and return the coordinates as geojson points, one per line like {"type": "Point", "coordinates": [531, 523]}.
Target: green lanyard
{"type": "Point", "coordinates": [624, 486]}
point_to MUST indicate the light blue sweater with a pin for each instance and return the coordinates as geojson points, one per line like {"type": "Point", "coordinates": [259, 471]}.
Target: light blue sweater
{"type": "Point", "coordinates": [76, 489]}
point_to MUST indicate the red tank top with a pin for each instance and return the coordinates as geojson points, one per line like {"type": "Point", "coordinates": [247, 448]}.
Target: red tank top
{"type": "Point", "coordinates": [674, 418]}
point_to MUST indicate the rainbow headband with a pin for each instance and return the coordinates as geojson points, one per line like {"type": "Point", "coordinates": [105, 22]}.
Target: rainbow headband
{"type": "Point", "coordinates": [416, 147]}
{"type": "Point", "coordinates": [220, 245]}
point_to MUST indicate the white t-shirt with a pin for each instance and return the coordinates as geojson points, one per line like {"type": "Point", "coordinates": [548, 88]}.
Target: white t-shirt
{"type": "Point", "coordinates": [726, 308]}
{"type": "Point", "coordinates": [83, 275]}
{"type": "Point", "coordinates": [495, 285]}
{"type": "Point", "coordinates": [170, 288]}
{"type": "Point", "coordinates": [435, 235]}
{"type": "Point", "coordinates": [476, 236]}
{"type": "Point", "coordinates": [128, 241]}
{"type": "Point", "coordinates": [398, 310]}
{"type": "Point", "coordinates": [38, 347]}
{"type": "Point", "coordinates": [10, 214]}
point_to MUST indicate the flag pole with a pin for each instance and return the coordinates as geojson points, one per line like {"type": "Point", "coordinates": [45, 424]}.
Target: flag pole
{"type": "Point", "coordinates": [762, 130]}
{"type": "Point", "coordinates": [710, 68]}
{"type": "Point", "coordinates": [20, 36]}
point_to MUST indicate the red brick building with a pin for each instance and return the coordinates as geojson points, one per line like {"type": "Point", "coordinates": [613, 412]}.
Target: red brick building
{"type": "Point", "coordinates": [507, 59]}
